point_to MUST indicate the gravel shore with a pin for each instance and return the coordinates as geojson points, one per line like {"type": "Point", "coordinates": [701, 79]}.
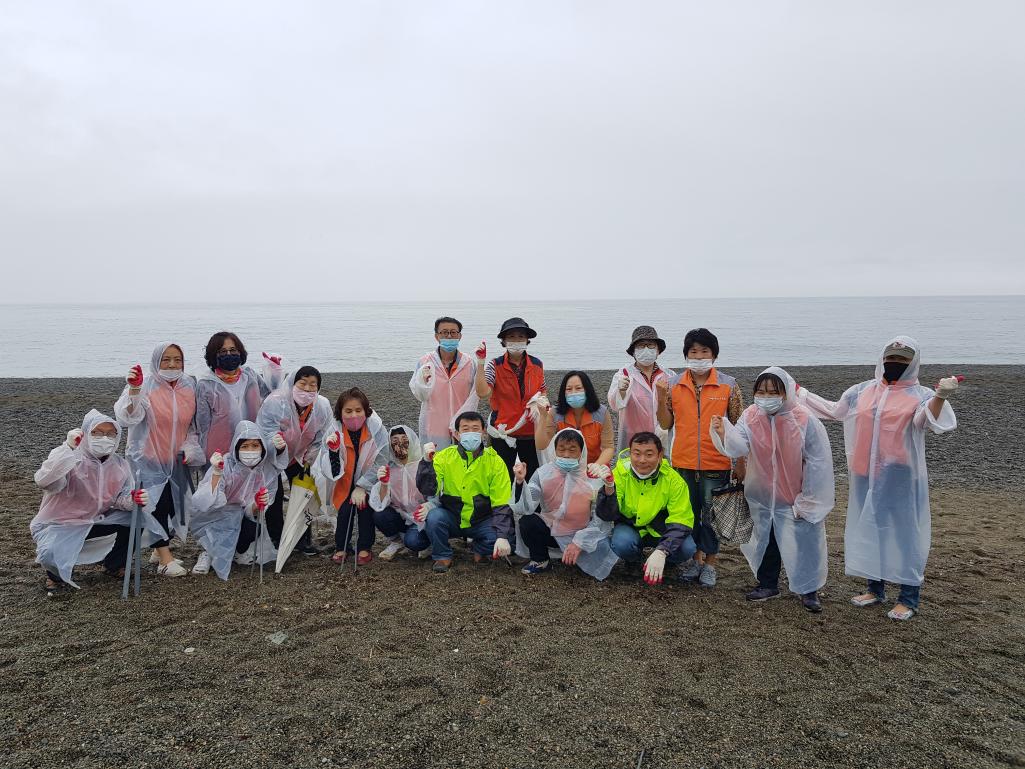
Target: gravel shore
{"type": "Point", "coordinates": [392, 666]}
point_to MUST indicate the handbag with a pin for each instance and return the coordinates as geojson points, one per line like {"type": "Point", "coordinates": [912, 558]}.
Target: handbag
{"type": "Point", "coordinates": [730, 514]}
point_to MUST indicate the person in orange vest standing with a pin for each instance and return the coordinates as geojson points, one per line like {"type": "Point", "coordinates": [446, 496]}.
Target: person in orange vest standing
{"type": "Point", "coordinates": [511, 381]}
{"type": "Point", "coordinates": [687, 403]}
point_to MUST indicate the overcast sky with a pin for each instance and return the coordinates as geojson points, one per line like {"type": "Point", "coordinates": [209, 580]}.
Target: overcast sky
{"type": "Point", "coordinates": [468, 150]}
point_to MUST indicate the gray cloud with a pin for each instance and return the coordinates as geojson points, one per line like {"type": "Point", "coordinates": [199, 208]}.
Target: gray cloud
{"type": "Point", "coordinates": [758, 148]}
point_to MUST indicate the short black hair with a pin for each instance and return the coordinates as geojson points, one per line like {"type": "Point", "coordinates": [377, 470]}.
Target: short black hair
{"type": "Point", "coordinates": [216, 342]}
{"type": "Point", "coordinates": [701, 336]}
{"type": "Point", "coordinates": [447, 319]}
{"type": "Point", "coordinates": [647, 437]}
{"type": "Point", "coordinates": [352, 394]}
{"type": "Point", "coordinates": [591, 402]}
{"type": "Point", "coordinates": [396, 431]}
{"type": "Point", "coordinates": [240, 441]}
{"type": "Point", "coordinates": [468, 416]}
{"type": "Point", "coordinates": [772, 378]}
{"type": "Point", "coordinates": [306, 371]}
{"type": "Point", "coordinates": [569, 436]}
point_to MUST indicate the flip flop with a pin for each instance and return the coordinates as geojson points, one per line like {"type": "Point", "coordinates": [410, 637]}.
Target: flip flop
{"type": "Point", "coordinates": [901, 616]}
{"type": "Point", "coordinates": [861, 602]}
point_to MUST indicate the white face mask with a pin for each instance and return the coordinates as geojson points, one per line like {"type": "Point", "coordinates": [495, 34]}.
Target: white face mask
{"type": "Point", "coordinates": [700, 365]}
{"type": "Point", "coordinates": [250, 458]}
{"type": "Point", "coordinates": [769, 404]}
{"type": "Point", "coordinates": [644, 476]}
{"type": "Point", "coordinates": [645, 356]}
{"type": "Point", "coordinates": [170, 374]}
{"type": "Point", "coordinates": [103, 446]}
{"type": "Point", "coordinates": [516, 346]}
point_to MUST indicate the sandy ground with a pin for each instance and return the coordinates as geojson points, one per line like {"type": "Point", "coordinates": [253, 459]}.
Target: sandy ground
{"type": "Point", "coordinates": [395, 667]}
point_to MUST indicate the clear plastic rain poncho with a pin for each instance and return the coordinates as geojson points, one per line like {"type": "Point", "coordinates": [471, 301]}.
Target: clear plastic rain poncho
{"type": "Point", "coordinates": [402, 494]}
{"type": "Point", "coordinates": [565, 501]}
{"type": "Point", "coordinates": [161, 428]}
{"type": "Point", "coordinates": [279, 414]}
{"type": "Point", "coordinates": [637, 409]}
{"type": "Point", "coordinates": [372, 455]}
{"type": "Point", "coordinates": [220, 406]}
{"type": "Point", "coordinates": [445, 397]}
{"type": "Point", "coordinates": [789, 484]}
{"type": "Point", "coordinates": [887, 535]}
{"type": "Point", "coordinates": [217, 515]}
{"type": "Point", "coordinates": [80, 490]}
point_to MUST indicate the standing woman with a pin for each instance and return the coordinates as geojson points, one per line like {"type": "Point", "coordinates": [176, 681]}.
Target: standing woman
{"type": "Point", "coordinates": [633, 394]}
{"type": "Point", "coordinates": [511, 381]}
{"type": "Point", "coordinates": [357, 446]}
{"type": "Point", "coordinates": [789, 487]}
{"type": "Point", "coordinates": [294, 418]}
{"type": "Point", "coordinates": [230, 391]}
{"type": "Point", "coordinates": [578, 408]}
{"type": "Point", "coordinates": [159, 412]}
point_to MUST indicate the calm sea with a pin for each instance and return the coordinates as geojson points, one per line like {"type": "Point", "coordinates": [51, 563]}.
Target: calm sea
{"type": "Point", "coordinates": [103, 340]}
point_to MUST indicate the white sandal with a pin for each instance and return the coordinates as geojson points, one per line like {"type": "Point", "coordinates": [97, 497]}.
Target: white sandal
{"type": "Point", "coordinates": [901, 616]}
{"type": "Point", "coordinates": [861, 602]}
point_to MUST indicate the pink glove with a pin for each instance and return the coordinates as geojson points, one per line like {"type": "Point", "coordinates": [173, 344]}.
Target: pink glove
{"type": "Point", "coordinates": [134, 377]}
{"type": "Point", "coordinates": [384, 474]}
{"type": "Point", "coordinates": [482, 350]}
{"type": "Point", "coordinates": [140, 497]}
{"type": "Point", "coordinates": [274, 359]}
{"type": "Point", "coordinates": [262, 498]}
{"type": "Point", "coordinates": [335, 441]}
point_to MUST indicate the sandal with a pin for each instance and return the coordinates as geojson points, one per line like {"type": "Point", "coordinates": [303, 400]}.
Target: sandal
{"type": "Point", "coordinates": [339, 557]}
{"type": "Point", "coordinates": [866, 599]}
{"type": "Point", "coordinates": [901, 615]}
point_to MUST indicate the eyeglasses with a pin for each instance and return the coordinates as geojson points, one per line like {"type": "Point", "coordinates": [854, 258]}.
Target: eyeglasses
{"type": "Point", "coordinates": [103, 433]}
{"type": "Point", "coordinates": [450, 334]}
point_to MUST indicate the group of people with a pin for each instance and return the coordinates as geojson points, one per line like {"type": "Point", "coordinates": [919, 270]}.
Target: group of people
{"type": "Point", "coordinates": [539, 477]}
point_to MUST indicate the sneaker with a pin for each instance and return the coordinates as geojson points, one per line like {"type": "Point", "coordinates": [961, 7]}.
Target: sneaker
{"type": "Point", "coordinates": [154, 558]}
{"type": "Point", "coordinates": [810, 601]}
{"type": "Point", "coordinates": [689, 571]}
{"type": "Point", "coordinates": [309, 549]}
{"type": "Point", "coordinates": [173, 569]}
{"type": "Point", "coordinates": [248, 558]}
{"type": "Point", "coordinates": [536, 567]}
{"type": "Point", "coordinates": [202, 564]}
{"type": "Point", "coordinates": [762, 594]}
{"type": "Point", "coordinates": [441, 567]}
{"type": "Point", "coordinates": [708, 576]}
{"type": "Point", "coordinates": [395, 547]}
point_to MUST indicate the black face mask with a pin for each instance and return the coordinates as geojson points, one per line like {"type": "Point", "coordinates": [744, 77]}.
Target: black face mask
{"type": "Point", "coordinates": [892, 370]}
{"type": "Point", "coordinates": [228, 361]}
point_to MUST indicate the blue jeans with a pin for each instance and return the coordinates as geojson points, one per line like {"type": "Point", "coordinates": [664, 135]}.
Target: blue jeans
{"type": "Point", "coordinates": [627, 543]}
{"type": "Point", "coordinates": [700, 483]}
{"type": "Point", "coordinates": [415, 539]}
{"type": "Point", "coordinates": [442, 525]}
{"type": "Point", "coordinates": [909, 594]}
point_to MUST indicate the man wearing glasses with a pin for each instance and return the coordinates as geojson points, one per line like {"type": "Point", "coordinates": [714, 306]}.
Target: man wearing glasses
{"type": "Point", "coordinates": [443, 382]}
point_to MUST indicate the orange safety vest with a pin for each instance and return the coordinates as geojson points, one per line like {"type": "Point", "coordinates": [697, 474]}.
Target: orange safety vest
{"type": "Point", "coordinates": [508, 399]}
{"type": "Point", "coordinates": [344, 484]}
{"type": "Point", "coordinates": [692, 445]}
{"type": "Point", "coordinates": [591, 426]}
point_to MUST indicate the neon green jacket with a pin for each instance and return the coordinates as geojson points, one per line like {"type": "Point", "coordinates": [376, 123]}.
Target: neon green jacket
{"type": "Point", "coordinates": [658, 506]}
{"type": "Point", "coordinates": [474, 487]}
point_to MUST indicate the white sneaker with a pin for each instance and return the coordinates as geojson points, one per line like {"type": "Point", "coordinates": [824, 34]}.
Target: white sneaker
{"type": "Point", "coordinates": [395, 547]}
{"type": "Point", "coordinates": [248, 558]}
{"type": "Point", "coordinates": [202, 564]}
{"type": "Point", "coordinates": [173, 569]}
{"type": "Point", "coordinates": [154, 557]}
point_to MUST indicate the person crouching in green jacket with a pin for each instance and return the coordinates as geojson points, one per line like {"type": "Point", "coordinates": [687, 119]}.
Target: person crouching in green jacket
{"type": "Point", "coordinates": [473, 489]}
{"type": "Point", "coordinates": [650, 505]}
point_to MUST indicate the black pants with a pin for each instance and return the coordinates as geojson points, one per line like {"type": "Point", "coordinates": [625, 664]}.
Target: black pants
{"type": "Point", "coordinates": [118, 554]}
{"type": "Point", "coordinates": [275, 515]}
{"type": "Point", "coordinates": [537, 537]}
{"type": "Point", "coordinates": [366, 533]}
{"type": "Point", "coordinates": [163, 512]}
{"type": "Point", "coordinates": [772, 562]}
{"type": "Point", "coordinates": [525, 447]}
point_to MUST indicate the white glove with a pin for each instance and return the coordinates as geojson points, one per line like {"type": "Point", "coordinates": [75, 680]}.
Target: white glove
{"type": "Point", "coordinates": [802, 394]}
{"type": "Point", "coordinates": [429, 451]}
{"type": "Point", "coordinates": [74, 438]}
{"type": "Point", "coordinates": [624, 382]}
{"type": "Point", "coordinates": [946, 387]}
{"type": "Point", "coordinates": [278, 441]}
{"type": "Point", "coordinates": [426, 372]}
{"type": "Point", "coordinates": [654, 567]}
{"type": "Point", "coordinates": [359, 497]}
{"type": "Point", "coordinates": [217, 462]}
{"type": "Point", "coordinates": [519, 472]}
{"type": "Point", "coordinates": [502, 548]}
{"type": "Point", "coordinates": [594, 470]}
{"type": "Point", "coordinates": [140, 497]}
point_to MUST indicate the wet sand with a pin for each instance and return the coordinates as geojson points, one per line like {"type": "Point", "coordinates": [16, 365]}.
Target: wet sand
{"type": "Point", "coordinates": [394, 666]}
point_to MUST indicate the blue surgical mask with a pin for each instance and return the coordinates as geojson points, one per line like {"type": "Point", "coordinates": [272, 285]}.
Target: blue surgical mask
{"type": "Point", "coordinates": [229, 361]}
{"type": "Point", "coordinates": [449, 345]}
{"type": "Point", "coordinates": [469, 441]}
{"type": "Point", "coordinates": [576, 400]}
{"type": "Point", "coordinates": [567, 464]}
